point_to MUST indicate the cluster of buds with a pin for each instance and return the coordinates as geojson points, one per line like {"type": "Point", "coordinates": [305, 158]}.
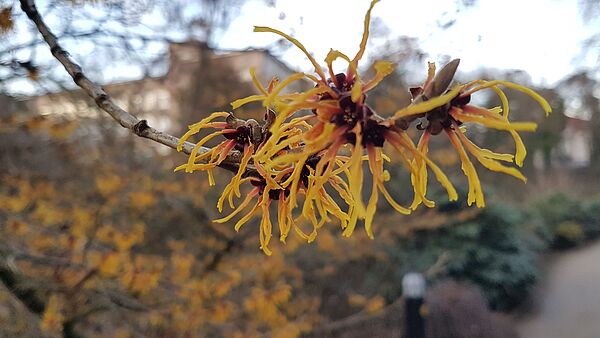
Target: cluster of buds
{"type": "Point", "coordinates": [313, 144]}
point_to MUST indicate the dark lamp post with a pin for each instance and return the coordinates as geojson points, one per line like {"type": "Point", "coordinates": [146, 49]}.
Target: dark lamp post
{"type": "Point", "coordinates": [413, 289]}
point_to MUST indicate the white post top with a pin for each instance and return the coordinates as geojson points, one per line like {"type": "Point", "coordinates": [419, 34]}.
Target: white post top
{"type": "Point", "coordinates": [413, 285]}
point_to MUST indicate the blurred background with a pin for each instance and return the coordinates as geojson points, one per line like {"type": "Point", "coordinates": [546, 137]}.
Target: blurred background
{"type": "Point", "coordinates": [98, 236]}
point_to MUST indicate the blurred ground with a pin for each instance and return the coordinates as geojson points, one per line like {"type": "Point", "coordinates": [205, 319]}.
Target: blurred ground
{"type": "Point", "coordinates": [569, 302]}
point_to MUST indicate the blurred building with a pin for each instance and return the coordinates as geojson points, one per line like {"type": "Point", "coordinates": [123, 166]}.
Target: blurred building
{"type": "Point", "coordinates": [581, 94]}
{"type": "Point", "coordinates": [577, 142]}
{"type": "Point", "coordinates": [159, 99]}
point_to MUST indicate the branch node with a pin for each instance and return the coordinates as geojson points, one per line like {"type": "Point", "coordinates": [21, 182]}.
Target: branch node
{"type": "Point", "coordinates": [100, 96]}
{"type": "Point", "coordinates": [78, 77]}
{"type": "Point", "coordinates": [140, 127]}
{"type": "Point", "coordinates": [100, 99]}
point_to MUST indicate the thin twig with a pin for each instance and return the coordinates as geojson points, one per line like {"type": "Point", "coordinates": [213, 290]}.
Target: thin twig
{"type": "Point", "coordinates": [27, 296]}
{"type": "Point", "coordinates": [104, 101]}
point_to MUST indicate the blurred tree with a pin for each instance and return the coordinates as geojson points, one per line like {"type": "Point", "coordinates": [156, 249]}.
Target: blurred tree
{"type": "Point", "coordinates": [487, 248]}
{"type": "Point", "coordinates": [131, 34]}
{"type": "Point", "coordinates": [208, 85]}
{"type": "Point", "coordinates": [122, 247]}
{"type": "Point", "coordinates": [590, 12]}
{"type": "Point", "coordinates": [583, 90]}
{"type": "Point", "coordinates": [547, 139]}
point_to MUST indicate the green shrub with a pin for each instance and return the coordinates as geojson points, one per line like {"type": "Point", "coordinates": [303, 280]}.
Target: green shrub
{"type": "Point", "coordinates": [567, 234]}
{"type": "Point", "coordinates": [564, 222]}
{"type": "Point", "coordinates": [591, 214]}
{"type": "Point", "coordinates": [492, 250]}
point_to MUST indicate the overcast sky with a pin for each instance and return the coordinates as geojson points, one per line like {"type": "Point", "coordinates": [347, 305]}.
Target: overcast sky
{"type": "Point", "coordinates": [542, 37]}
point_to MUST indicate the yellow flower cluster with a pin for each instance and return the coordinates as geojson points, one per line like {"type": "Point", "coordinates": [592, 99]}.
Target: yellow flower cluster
{"type": "Point", "coordinates": [313, 144]}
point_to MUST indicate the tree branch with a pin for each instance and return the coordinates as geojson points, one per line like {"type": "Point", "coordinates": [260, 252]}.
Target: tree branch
{"type": "Point", "coordinates": [391, 313]}
{"type": "Point", "coordinates": [27, 296]}
{"type": "Point", "coordinates": [104, 101]}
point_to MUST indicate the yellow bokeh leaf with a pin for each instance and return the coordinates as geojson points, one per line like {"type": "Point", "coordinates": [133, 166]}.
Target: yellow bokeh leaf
{"type": "Point", "coordinates": [108, 184]}
{"type": "Point", "coordinates": [357, 300]}
{"type": "Point", "coordinates": [53, 318]}
{"type": "Point", "coordinates": [110, 264]}
{"type": "Point", "coordinates": [141, 200]}
{"type": "Point", "coordinates": [182, 265]}
{"type": "Point", "coordinates": [375, 304]}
